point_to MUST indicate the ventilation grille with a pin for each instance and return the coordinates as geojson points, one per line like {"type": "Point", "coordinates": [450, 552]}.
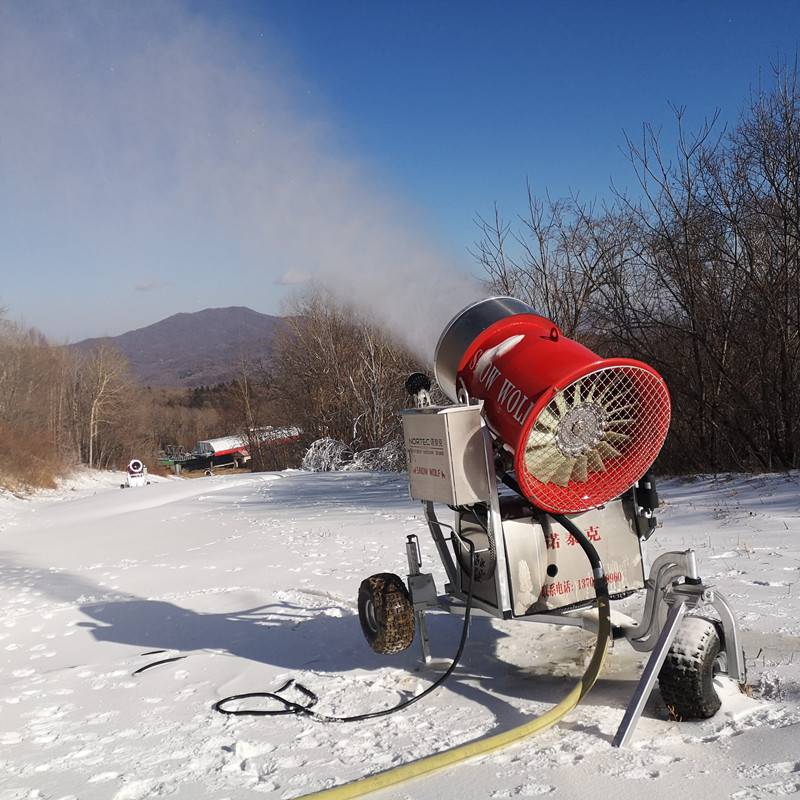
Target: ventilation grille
{"type": "Point", "coordinates": [594, 439]}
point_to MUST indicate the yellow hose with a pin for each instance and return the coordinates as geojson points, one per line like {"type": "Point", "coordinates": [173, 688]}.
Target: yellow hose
{"type": "Point", "coordinates": [480, 747]}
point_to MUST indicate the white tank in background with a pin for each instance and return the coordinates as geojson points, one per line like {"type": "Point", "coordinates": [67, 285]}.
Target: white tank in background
{"type": "Point", "coordinates": [235, 448]}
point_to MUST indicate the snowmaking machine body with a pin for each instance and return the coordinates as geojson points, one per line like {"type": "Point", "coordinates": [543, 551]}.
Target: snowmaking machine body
{"type": "Point", "coordinates": [542, 430]}
{"type": "Point", "coordinates": [135, 475]}
{"type": "Point", "coordinates": [527, 565]}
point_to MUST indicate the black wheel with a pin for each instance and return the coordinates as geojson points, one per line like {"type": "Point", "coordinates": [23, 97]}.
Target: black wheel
{"type": "Point", "coordinates": [386, 613]}
{"type": "Point", "coordinates": [687, 678]}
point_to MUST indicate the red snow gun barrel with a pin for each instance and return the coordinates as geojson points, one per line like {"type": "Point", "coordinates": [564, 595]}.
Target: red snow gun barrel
{"type": "Point", "coordinates": [582, 429]}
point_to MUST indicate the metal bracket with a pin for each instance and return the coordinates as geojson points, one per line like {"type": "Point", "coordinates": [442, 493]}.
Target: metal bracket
{"type": "Point", "coordinates": [730, 631]}
{"type": "Point", "coordinates": [423, 591]}
{"type": "Point", "coordinates": [440, 541]}
{"type": "Point", "coordinates": [495, 527]}
{"type": "Point", "coordinates": [663, 594]}
{"type": "Point", "coordinates": [667, 569]}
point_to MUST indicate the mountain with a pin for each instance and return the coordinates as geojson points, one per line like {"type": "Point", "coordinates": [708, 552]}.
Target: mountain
{"type": "Point", "coordinates": [194, 349]}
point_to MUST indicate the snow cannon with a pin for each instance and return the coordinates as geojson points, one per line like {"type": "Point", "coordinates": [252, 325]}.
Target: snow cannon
{"type": "Point", "coordinates": [542, 458]}
{"type": "Point", "coordinates": [582, 429]}
{"type": "Point", "coordinates": [135, 474]}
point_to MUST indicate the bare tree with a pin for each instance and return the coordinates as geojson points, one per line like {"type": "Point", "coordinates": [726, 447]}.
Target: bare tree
{"type": "Point", "coordinates": [33, 445]}
{"type": "Point", "coordinates": [553, 259]}
{"type": "Point", "coordinates": [697, 273]}
{"type": "Point", "coordinates": [106, 387]}
{"type": "Point", "coordinates": [339, 375]}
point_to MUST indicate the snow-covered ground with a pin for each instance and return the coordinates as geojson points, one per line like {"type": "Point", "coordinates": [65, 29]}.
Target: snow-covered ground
{"type": "Point", "coordinates": [253, 579]}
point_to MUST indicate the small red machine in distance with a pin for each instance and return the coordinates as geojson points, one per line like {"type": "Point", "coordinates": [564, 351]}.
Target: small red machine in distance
{"type": "Point", "coordinates": [234, 450]}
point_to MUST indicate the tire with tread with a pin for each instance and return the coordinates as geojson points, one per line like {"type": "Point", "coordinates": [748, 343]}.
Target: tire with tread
{"type": "Point", "coordinates": [386, 613]}
{"type": "Point", "coordinates": [686, 679]}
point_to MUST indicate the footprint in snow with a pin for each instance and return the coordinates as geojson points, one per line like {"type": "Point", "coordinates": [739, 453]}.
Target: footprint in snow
{"type": "Point", "coordinates": [526, 790]}
{"type": "Point", "coordinates": [104, 777]}
{"type": "Point", "coordinates": [767, 770]}
{"type": "Point", "coordinates": [764, 790]}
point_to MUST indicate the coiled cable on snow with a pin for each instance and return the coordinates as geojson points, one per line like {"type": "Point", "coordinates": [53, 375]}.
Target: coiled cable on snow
{"type": "Point", "coordinates": [306, 710]}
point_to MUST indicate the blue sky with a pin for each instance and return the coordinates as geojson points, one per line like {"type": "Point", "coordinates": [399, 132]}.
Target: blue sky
{"type": "Point", "coordinates": [459, 102]}
{"type": "Point", "coordinates": [432, 111]}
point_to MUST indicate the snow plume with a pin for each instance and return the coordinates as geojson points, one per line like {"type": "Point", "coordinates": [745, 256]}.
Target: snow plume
{"type": "Point", "coordinates": [145, 131]}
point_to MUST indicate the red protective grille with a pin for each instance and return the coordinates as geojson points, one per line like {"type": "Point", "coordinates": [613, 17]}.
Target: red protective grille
{"type": "Point", "coordinates": [594, 439]}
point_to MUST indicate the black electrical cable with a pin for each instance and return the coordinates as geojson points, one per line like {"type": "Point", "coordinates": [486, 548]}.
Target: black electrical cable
{"type": "Point", "coordinates": [510, 481]}
{"type": "Point", "coordinates": [600, 580]}
{"type": "Point", "coordinates": [156, 663]}
{"type": "Point", "coordinates": [297, 708]}
{"type": "Point", "coordinates": [288, 706]}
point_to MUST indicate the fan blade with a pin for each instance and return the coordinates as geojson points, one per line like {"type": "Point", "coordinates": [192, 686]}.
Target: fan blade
{"type": "Point", "coordinates": [614, 422]}
{"type": "Point", "coordinates": [543, 455]}
{"type": "Point", "coordinates": [612, 436]}
{"type": "Point", "coordinates": [590, 395]}
{"type": "Point", "coordinates": [543, 475]}
{"type": "Point", "coordinates": [595, 463]}
{"type": "Point", "coordinates": [580, 473]}
{"type": "Point", "coordinates": [576, 395]}
{"type": "Point", "coordinates": [607, 398]}
{"type": "Point", "coordinates": [543, 466]}
{"type": "Point", "coordinates": [564, 472]}
{"type": "Point", "coordinates": [548, 419]}
{"type": "Point", "coordinates": [606, 450]}
{"type": "Point", "coordinates": [537, 444]}
{"type": "Point", "coordinates": [561, 403]}
{"type": "Point", "coordinates": [613, 411]}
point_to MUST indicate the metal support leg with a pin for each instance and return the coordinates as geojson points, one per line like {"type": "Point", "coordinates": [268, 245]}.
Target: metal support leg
{"type": "Point", "coordinates": [646, 683]}
{"type": "Point", "coordinates": [424, 641]}
{"type": "Point", "coordinates": [422, 589]}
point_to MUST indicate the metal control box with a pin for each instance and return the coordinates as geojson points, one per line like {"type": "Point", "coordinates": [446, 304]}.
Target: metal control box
{"type": "Point", "coordinates": [446, 454]}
